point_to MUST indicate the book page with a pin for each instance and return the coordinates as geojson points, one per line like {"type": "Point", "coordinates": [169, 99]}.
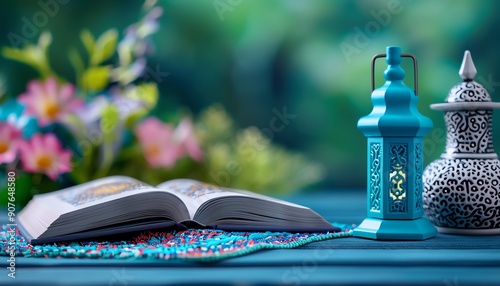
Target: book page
{"type": "Point", "coordinates": [194, 193]}
{"type": "Point", "coordinates": [95, 192]}
{"type": "Point", "coordinates": [44, 209]}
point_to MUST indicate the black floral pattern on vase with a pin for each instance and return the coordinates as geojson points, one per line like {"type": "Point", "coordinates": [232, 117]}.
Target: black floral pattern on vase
{"type": "Point", "coordinates": [463, 193]}
{"type": "Point", "coordinates": [468, 91]}
{"type": "Point", "coordinates": [469, 131]}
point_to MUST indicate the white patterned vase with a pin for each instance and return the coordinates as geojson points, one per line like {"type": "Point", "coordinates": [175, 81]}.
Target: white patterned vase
{"type": "Point", "coordinates": [462, 188]}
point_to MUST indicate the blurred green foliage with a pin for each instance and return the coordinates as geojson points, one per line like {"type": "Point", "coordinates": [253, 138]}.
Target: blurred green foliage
{"type": "Point", "coordinates": [247, 159]}
{"type": "Point", "coordinates": [257, 56]}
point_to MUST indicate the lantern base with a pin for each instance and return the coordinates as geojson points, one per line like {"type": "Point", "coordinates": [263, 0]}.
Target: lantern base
{"type": "Point", "coordinates": [391, 229]}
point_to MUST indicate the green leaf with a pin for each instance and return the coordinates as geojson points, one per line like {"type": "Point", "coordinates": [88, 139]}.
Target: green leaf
{"type": "Point", "coordinates": [30, 55]}
{"type": "Point", "coordinates": [33, 55]}
{"type": "Point", "coordinates": [125, 54]}
{"type": "Point", "coordinates": [110, 118]}
{"type": "Point", "coordinates": [109, 121]}
{"type": "Point", "coordinates": [77, 63]}
{"type": "Point", "coordinates": [95, 79]}
{"type": "Point", "coordinates": [104, 47]}
{"type": "Point", "coordinates": [44, 41]}
{"type": "Point", "coordinates": [88, 41]}
{"type": "Point", "coordinates": [135, 116]}
{"type": "Point", "coordinates": [16, 55]}
{"type": "Point", "coordinates": [148, 93]}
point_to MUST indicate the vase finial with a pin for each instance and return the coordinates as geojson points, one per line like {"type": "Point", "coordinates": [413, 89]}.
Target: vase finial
{"type": "Point", "coordinates": [467, 70]}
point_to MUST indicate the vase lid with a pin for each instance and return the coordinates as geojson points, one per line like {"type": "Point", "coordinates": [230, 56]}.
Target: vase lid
{"type": "Point", "coordinates": [469, 94]}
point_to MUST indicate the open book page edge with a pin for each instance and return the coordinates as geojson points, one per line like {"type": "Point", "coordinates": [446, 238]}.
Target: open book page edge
{"type": "Point", "coordinates": [102, 233]}
{"type": "Point", "coordinates": [267, 198]}
{"type": "Point", "coordinates": [45, 209]}
{"type": "Point", "coordinates": [95, 192]}
{"type": "Point", "coordinates": [182, 189]}
{"type": "Point", "coordinates": [31, 223]}
{"type": "Point", "coordinates": [196, 193]}
{"type": "Point", "coordinates": [228, 227]}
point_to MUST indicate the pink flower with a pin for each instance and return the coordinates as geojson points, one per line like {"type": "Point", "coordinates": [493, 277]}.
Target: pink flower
{"type": "Point", "coordinates": [48, 101]}
{"type": "Point", "coordinates": [184, 134]}
{"type": "Point", "coordinates": [163, 146]}
{"type": "Point", "coordinates": [43, 153]}
{"type": "Point", "coordinates": [157, 142]}
{"type": "Point", "coordinates": [9, 137]}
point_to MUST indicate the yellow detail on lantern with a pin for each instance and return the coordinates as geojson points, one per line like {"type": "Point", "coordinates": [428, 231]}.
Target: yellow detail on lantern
{"type": "Point", "coordinates": [397, 178]}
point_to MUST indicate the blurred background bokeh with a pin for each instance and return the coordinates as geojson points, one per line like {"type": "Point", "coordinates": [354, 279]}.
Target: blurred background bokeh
{"type": "Point", "coordinates": [260, 58]}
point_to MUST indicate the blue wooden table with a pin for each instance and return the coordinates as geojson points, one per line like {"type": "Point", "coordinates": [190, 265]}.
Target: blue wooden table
{"type": "Point", "coordinates": [445, 260]}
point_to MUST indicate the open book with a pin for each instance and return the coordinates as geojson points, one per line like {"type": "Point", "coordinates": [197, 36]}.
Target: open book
{"type": "Point", "coordinates": [119, 204]}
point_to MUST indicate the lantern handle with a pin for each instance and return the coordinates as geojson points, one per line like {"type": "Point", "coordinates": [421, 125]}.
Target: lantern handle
{"type": "Point", "coordinates": [415, 69]}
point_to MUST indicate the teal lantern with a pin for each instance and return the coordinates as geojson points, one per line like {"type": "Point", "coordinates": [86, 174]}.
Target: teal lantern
{"type": "Point", "coordinates": [395, 131]}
